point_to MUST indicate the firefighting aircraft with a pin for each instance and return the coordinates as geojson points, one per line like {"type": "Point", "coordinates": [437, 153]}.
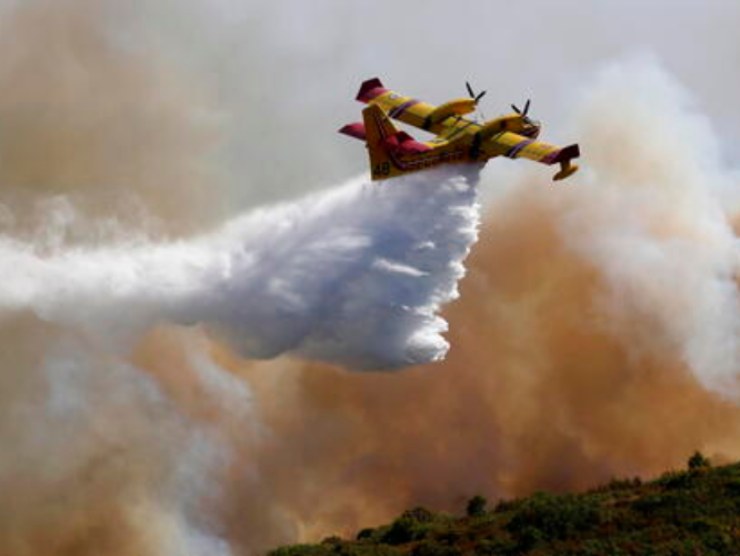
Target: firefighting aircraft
{"type": "Point", "coordinates": [458, 140]}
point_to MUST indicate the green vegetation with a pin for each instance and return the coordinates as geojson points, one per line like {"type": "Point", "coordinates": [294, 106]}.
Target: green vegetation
{"type": "Point", "coordinates": [476, 506]}
{"type": "Point", "coordinates": [691, 512]}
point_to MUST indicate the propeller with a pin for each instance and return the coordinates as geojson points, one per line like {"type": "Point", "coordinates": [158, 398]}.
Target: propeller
{"type": "Point", "coordinates": [522, 112]}
{"type": "Point", "coordinates": [472, 94]}
{"type": "Point", "coordinates": [476, 98]}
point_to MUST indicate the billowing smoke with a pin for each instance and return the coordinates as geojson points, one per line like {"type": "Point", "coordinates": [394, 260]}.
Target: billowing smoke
{"type": "Point", "coordinates": [596, 333]}
{"type": "Point", "coordinates": [121, 433]}
{"type": "Point", "coordinates": [121, 133]}
{"type": "Point", "coordinates": [596, 336]}
{"type": "Point", "coordinates": [99, 142]}
{"type": "Point", "coordinates": [656, 220]}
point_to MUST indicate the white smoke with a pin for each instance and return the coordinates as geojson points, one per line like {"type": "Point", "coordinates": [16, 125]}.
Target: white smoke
{"type": "Point", "coordinates": [152, 478]}
{"type": "Point", "coordinates": [353, 275]}
{"type": "Point", "coordinates": [653, 212]}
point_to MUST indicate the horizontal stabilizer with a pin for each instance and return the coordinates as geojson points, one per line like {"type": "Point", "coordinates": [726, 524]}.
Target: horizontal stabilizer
{"type": "Point", "coordinates": [356, 130]}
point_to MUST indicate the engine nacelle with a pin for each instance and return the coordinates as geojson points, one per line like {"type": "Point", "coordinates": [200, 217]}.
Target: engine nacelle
{"type": "Point", "coordinates": [505, 123]}
{"type": "Point", "coordinates": [457, 107]}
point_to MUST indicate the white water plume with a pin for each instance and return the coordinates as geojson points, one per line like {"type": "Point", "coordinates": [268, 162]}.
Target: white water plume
{"type": "Point", "coordinates": [354, 275]}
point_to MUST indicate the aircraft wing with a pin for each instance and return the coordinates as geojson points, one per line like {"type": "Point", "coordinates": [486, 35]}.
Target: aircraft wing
{"type": "Point", "coordinates": [412, 111]}
{"type": "Point", "coordinates": [513, 145]}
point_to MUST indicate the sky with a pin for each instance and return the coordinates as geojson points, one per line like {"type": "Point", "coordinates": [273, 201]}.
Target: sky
{"type": "Point", "coordinates": [300, 64]}
{"type": "Point", "coordinates": [280, 78]}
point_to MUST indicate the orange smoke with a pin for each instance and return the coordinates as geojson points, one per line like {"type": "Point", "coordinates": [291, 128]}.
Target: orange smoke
{"type": "Point", "coordinates": [97, 140]}
{"type": "Point", "coordinates": [534, 395]}
{"type": "Point", "coordinates": [115, 128]}
{"type": "Point", "coordinates": [151, 448]}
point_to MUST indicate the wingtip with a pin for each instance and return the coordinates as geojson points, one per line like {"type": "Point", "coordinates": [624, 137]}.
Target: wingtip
{"type": "Point", "coordinates": [566, 171]}
{"type": "Point", "coordinates": [568, 153]}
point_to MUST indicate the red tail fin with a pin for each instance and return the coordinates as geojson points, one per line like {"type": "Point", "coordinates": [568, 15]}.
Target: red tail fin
{"type": "Point", "coordinates": [370, 89]}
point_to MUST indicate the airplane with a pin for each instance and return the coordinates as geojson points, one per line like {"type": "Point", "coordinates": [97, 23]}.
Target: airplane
{"type": "Point", "coordinates": [394, 152]}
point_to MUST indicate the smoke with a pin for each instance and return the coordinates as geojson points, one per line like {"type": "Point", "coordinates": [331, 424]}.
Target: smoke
{"type": "Point", "coordinates": [596, 333]}
{"type": "Point", "coordinates": [121, 433]}
{"type": "Point", "coordinates": [100, 142]}
{"type": "Point", "coordinates": [596, 336]}
{"type": "Point", "coordinates": [659, 225]}
{"type": "Point", "coordinates": [125, 134]}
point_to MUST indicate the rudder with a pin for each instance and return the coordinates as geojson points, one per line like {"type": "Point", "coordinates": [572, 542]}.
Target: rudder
{"type": "Point", "coordinates": [378, 128]}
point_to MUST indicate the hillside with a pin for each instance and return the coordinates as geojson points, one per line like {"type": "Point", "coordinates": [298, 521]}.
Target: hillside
{"type": "Point", "coordinates": [691, 512]}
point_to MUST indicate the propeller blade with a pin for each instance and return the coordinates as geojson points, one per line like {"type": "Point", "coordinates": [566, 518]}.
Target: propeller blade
{"type": "Point", "coordinates": [480, 96]}
{"type": "Point", "coordinates": [516, 109]}
{"type": "Point", "coordinates": [470, 90]}
{"type": "Point", "coordinates": [526, 107]}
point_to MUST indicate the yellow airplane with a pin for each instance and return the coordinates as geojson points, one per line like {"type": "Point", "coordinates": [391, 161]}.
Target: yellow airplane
{"type": "Point", "coordinates": [458, 140]}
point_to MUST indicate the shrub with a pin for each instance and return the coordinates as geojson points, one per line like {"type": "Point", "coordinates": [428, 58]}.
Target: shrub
{"type": "Point", "coordinates": [302, 550]}
{"type": "Point", "coordinates": [506, 505]}
{"type": "Point", "coordinates": [401, 531]}
{"type": "Point", "coordinates": [419, 514]}
{"type": "Point", "coordinates": [450, 536]}
{"type": "Point", "coordinates": [698, 462]}
{"type": "Point", "coordinates": [413, 525]}
{"type": "Point", "coordinates": [496, 546]}
{"type": "Point", "coordinates": [433, 548]}
{"type": "Point", "coordinates": [366, 533]}
{"type": "Point", "coordinates": [476, 506]}
{"type": "Point", "coordinates": [622, 484]}
{"type": "Point", "coordinates": [405, 529]}
{"type": "Point", "coordinates": [675, 479]}
{"type": "Point", "coordinates": [651, 503]}
{"type": "Point", "coordinates": [529, 537]}
{"type": "Point", "coordinates": [733, 487]}
{"type": "Point", "coordinates": [554, 517]}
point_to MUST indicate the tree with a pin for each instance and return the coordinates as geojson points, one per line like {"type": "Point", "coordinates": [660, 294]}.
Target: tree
{"type": "Point", "coordinates": [476, 506]}
{"type": "Point", "coordinates": [698, 462]}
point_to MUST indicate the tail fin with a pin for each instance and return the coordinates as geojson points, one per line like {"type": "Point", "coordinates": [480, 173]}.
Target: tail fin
{"type": "Point", "coordinates": [378, 128]}
{"type": "Point", "coordinates": [370, 89]}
